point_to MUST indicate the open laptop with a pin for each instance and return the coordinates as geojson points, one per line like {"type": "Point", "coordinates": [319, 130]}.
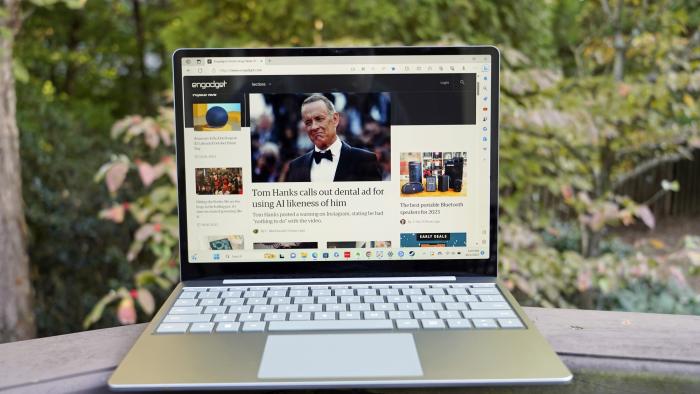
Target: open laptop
{"type": "Point", "coordinates": [338, 226]}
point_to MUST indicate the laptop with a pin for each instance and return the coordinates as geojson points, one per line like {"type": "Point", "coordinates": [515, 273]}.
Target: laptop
{"type": "Point", "coordinates": [338, 213]}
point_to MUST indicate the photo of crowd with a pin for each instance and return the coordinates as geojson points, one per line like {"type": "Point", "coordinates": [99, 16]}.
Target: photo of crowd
{"type": "Point", "coordinates": [280, 134]}
{"type": "Point", "coordinates": [218, 181]}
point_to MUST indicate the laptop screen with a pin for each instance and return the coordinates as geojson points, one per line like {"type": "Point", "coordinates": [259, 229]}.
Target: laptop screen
{"type": "Point", "coordinates": [336, 158]}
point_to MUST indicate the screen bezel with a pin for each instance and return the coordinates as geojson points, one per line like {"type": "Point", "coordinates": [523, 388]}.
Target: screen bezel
{"type": "Point", "coordinates": [370, 268]}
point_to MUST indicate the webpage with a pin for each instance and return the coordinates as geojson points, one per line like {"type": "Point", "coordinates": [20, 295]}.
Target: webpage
{"type": "Point", "coordinates": [333, 159]}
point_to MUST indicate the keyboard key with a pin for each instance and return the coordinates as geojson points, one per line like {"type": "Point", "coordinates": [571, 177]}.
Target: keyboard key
{"type": "Point", "coordinates": [350, 299]}
{"type": "Point", "coordinates": [479, 291]}
{"type": "Point", "coordinates": [324, 315]}
{"type": "Point", "coordinates": [225, 317]}
{"type": "Point", "coordinates": [276, 293]}
{"type": "Point", "coordinates": [335, 307]}
{"type": "Point", "coordinates": [432, 306]}
{"type": "Point", "coordinates": [280, 300]}
{"type": "Point", "coordinates": [210, 302]}
{"type": "Point", "coordinates": [466, 298]}
{"type": "Point", "coordinates": [488, 305]}
{"type": "Point", "coordinates": [492, 298]}
{"type": "Point", "coordinates": [202, 327]}
{"type": "Point", "coordinates": [434, 291]}
{"type": "Point", "coordinates": [424, 315]}
{"type": "Point", "coordinates": [366, 292]}
{"type": "Point", "coordinates": [373, 299]}
{"type": "Point", "coordinates": [432, 323]}
{"type": "Point", "coordinates": [184, 310]}
{"type": "Point", "coordinates": [253, 326]}
{"type": "Point", "coordinates": [407, 324]}
{"type": "Point", "coordinates": [288, 308]}
{"type": "Point", "coordinates": [408, 306]}
{"type": "Point", "coordinates": [311, 308]}
{"type": "Point", "coordinates": [246, 317]}
{"type": "Point", "coordinates": [343, 292]}
{"type": "Point", "coordinates": [234, 301]}
{"type": "Point", "coordinates": [484, 323]}
{"type": "Point", "coordinates": [327, 300]}
{"type": "Point", "coordinates": [410, 292]}
{"type": "Point", "coordinates": [274, 316]}
{"type": "Point", "coordinates": [483, 285]}
{"type": "Point", "coordinates": [256, 301]}
{"type": "Point", "coordinates": [298, 293]}
{"type": "Point", "coordinates": [399, 315]}
{"type": "Point", "coordinates": [323, 292]}
{"type": "Point", "coordinates": [231, 294]}
{"type": "Point", "coordinates": [359, 307]}
{"type": "Point", "coordinates": [449, 315]}
{"type": "Point", "coordinates": [181, 302]}
{"type": "Point", "coordinates": [254, 294]}
{"type": "Point", "coordinates": [208, 294]}
{"type": "Point", "coordinates": [164, 328]}
{"type": "Point", "coordinates": [330, 325]}
{"type": "Point", "coordinates": [187, 318]}
{"type": "Point", "coordinates": [303, 300]}
{"type": "Point", "coordinates": [443, 298]}
{"type": "Point", "coordinates": [389, 292]}
{"type": "Point", "coordinates": [459, 323]}
{"type": "Point", "coordinates": [396, 299]}
{"type": "Point", "coordinates": [215, 309]}
{"type": "Point", "coordinates": [384, 307]}
{"type": "Point", "coordinates": [455, 291]}
{"type": "Point", "coordinates": [227, 327]}
{"type": "Point", "coordinates": [300, 316]}
{"type": "Point", "coordinates": [456, 306]}
{"type": "Point", "coordinates": [349, 315]}
{"type": "Point", "coordinates": [239, 309]}
{"type": "Point", "coordinates": [510, 323]}
{"type": "Point", "coordinates": [263, 308]}
{"type": "Point", "coordinates": [374, 315]}
{"type": "Point", "coordinates": [187, 294]}
{"type": "Point", "coordinates": [420, 298]}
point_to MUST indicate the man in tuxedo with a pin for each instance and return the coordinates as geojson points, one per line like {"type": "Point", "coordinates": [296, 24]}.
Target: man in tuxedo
{"type": "Point", "coordinates": [331, 159]}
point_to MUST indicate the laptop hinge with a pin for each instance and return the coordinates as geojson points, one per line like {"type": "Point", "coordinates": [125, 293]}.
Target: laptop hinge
{"type": "Point", "coordinates": [347, 280]}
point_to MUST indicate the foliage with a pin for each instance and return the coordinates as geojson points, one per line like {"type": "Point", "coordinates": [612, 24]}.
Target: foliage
{"type": "Point", "coordinates": [153, 208]}
{"type": "Point", "coordinates": [541, 275]}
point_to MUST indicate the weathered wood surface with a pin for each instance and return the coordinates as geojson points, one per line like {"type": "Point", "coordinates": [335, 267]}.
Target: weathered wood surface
{"type": "Point", "coordinates": [606, 351]}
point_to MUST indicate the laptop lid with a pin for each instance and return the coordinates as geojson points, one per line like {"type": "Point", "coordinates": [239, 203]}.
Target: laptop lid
{"type": "Point", "coordinates": [337, 162]}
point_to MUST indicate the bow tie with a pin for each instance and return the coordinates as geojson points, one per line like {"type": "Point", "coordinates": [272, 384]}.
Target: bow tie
{"type": "Point", "coordinates": [318, 156]}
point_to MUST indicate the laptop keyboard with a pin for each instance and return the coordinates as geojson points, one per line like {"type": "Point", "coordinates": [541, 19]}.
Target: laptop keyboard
{"type": "Point", "coordinates": [339, 307]}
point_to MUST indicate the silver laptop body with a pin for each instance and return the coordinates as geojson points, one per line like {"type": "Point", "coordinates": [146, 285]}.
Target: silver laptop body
{"type": "Point", "coordinates": [338, 226]}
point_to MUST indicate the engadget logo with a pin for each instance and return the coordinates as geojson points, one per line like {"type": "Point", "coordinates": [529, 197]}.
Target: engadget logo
{"type": "Point", "coordinates": [207, 85]}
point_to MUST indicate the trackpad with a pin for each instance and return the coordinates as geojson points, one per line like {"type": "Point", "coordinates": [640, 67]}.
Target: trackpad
{"type": "Point", "coordinates": [339, 356]}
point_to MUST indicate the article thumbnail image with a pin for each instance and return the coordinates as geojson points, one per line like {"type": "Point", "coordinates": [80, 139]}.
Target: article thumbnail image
{"type": "Point", "coordinates": [216, 116]}
{"type": "Point", "coordinates": [320, 137]}
{"type": "Point", "coordinates": [225, 242]}
{"type": "Point", "coordinates": [219, 181]}
{"type": "Point", "coordinates": [433, 174]}
{"type": "Point", "coordinates": [444, 240]}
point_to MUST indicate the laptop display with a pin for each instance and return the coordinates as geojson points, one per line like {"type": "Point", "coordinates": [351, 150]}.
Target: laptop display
{"type": "Point", "coordinates": [331, 159]}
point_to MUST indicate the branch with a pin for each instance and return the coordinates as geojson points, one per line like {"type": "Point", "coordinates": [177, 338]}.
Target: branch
{"type": "Point", "coordinates": [564, 143]}
{"type": "Point", "coordinates": [646, 166]}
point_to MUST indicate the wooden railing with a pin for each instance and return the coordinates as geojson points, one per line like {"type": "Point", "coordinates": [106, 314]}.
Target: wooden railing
{"type": "Point", "coordinates": [606, 351]}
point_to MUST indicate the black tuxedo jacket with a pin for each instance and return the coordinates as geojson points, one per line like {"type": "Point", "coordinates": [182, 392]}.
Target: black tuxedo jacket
{"type": "Point", "coordinates": [355, 165]}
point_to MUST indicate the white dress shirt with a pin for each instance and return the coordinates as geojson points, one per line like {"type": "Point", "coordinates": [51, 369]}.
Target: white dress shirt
{"type": "Point", "coordinates": [324, 171]}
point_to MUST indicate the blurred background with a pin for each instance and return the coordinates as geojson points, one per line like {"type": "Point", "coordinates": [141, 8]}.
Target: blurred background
{"type": "Point", "coordinates": [600, 159]}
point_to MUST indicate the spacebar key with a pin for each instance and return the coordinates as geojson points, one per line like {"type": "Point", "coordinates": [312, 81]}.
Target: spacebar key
{"type": "Point", "coordinates": [307, 325]}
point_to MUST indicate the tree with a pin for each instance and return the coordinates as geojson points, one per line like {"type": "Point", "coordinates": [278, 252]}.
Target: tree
{"type": "Point", "coordinates": [16, 314]}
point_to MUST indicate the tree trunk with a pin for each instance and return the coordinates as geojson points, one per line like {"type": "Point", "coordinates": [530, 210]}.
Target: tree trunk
{"type": "Point", "coordinates": [16, 314]}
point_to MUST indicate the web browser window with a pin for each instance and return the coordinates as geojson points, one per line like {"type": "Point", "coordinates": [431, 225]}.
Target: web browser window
{"type": "Point", "coordinates": [337, 158]}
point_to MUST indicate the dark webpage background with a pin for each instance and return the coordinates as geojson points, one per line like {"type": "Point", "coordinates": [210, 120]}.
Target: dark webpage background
{"type": "Point", "coordinates": [416, 99]}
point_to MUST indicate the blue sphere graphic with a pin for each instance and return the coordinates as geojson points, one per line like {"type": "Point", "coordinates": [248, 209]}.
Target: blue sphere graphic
{"type": "Point", "coordinates": [216, 117]}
